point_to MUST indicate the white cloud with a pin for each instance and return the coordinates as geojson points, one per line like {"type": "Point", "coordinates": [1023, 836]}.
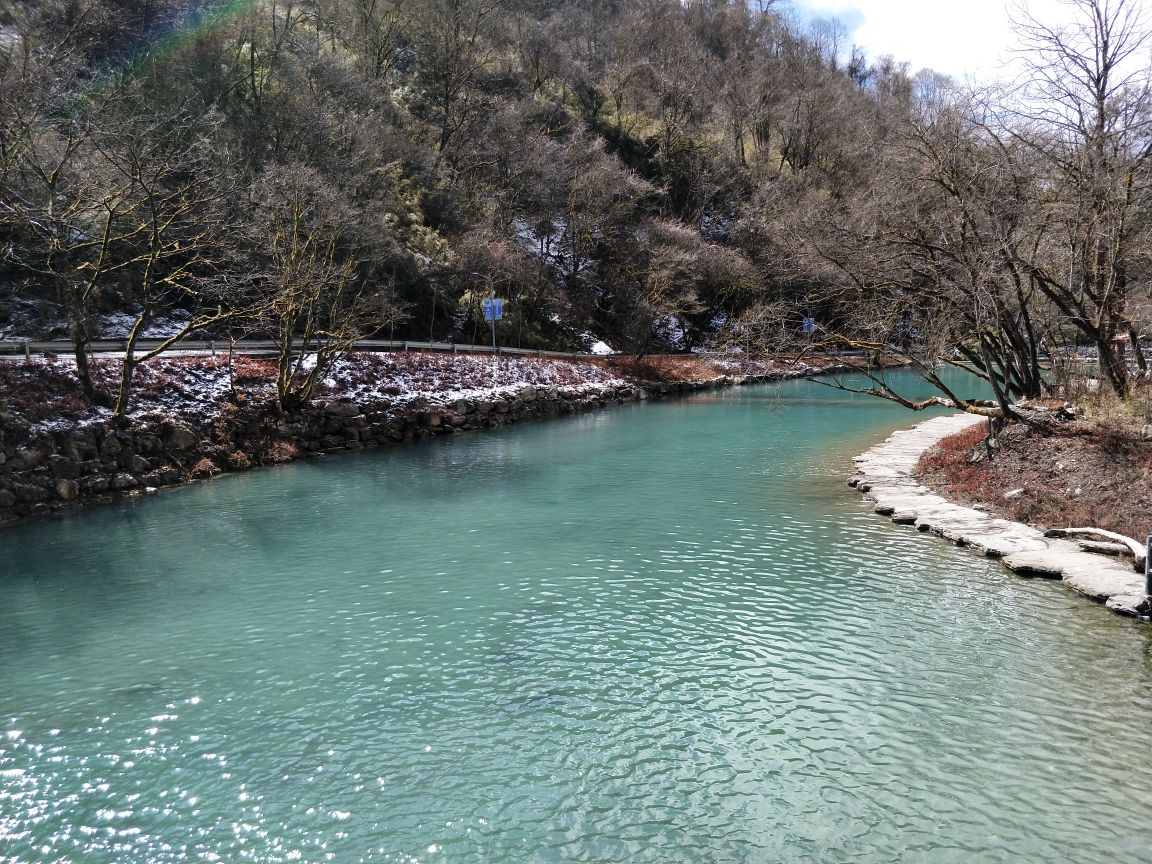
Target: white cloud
{"type": "Point", "coordinates": [973, 37]}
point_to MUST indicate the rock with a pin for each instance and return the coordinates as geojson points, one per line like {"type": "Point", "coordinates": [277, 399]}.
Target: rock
{"type": "Point", "coordinates": [1014, 494]}
{"type": "Point", "coordinates": [1103, 579]}
{"type": "Point", "coordinates": [1136, 604]}
{"type": "Point", "coordinates": [110, 446]}
{"type": "Point", "coordinates": [342, 409]}
{"type": "Point", "coordinates": [68, 490]}
{"type": "Point", "coordinates": [162, 477]}
{"type": "Point", "coordinates": [486, 407]}
{"type": "Point", "coordinates": [122, 482]}
{"type": "Point", "coordinates": [181, 437]}
{"type": "Point", "coordinates": [463, 406]}
{"type": "Point", "coordinates": [26, 492]}
{"type": "Point", "coordinates": [1146, 432]}
{"type": "Point", "coordinates": [7, 498]}
{"type": "Point", "coordinates": [28, 457]}
{"type": "Point", "coordinates": [1037, 563]}
{"type": "Point", "coordinates": [148, 443]}
{"type": "Point", "coordinates": [138, 465]}
{"type": "Point", "coordinates": [16, 428]}
{"type": "Point", "coordinates": [95, 485]}
{"type": "Point", "coordinates": [82, 443]}
{"type": "Point", "coordinates": [64, 468]}
{"type": "Point", "coordinates": [431, 420]}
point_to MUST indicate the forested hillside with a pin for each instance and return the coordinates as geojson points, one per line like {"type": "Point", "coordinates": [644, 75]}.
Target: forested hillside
{"type": "Point", "coordinates": [659, 174]}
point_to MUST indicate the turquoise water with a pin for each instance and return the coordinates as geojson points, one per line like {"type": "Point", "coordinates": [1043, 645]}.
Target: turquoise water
{"type": "Point", "coordinates": [658, 633]}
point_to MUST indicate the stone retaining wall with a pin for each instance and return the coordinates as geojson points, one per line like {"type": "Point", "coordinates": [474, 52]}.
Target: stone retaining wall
{"type": "Point", "coordinates": [42, 472]}
{"type": "Point", "coordinates": [886, 475]}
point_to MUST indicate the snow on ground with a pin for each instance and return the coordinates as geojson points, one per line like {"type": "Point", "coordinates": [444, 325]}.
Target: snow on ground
{"type": "Point", "coordinates": [117, 325]}
{"type": "Point", "coordinates": [402, 378]}
{"type": "Point", "coordinates": [197, 389]}
{"type": "Point", "coordinates": [46, 392]}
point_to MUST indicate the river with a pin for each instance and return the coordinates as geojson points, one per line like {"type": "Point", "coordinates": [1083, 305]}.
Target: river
{"type": "Point", "coordinates": [662, 632]}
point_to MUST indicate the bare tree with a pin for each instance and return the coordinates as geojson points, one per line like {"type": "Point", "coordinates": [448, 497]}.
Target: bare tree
{"type": "Point", "coordinates": [1084, 110]}
{"type": "Point", "coordinates": [312, 296]}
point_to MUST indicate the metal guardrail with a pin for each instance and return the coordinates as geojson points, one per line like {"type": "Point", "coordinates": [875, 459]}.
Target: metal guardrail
{"type": "Point", "coordinates": [27, 348]}
{"type": "Point", "coordinates": [256, 347]}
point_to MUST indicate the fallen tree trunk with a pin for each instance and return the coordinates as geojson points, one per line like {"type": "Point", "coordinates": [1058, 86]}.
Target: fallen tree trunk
{"type": "Point", "coordinates": [1138, 550]}
{"type": "Point", "coordinates": [1104, 548]}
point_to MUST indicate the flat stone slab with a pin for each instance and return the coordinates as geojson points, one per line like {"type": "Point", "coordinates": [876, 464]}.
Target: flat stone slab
{"type": "Point", "coordinates": [886, 475]}
{"type": "Point", "coordinates": [1039, 562]}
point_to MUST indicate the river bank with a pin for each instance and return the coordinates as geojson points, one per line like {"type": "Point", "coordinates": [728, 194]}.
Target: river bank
{"type": "Point", "coordinates": [196, 418]}
{"type": "Point", "coordinates": [887, 475]}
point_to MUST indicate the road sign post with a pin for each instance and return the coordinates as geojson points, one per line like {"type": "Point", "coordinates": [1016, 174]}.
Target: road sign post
{"type": "Point", "coordinates": [493, 311]}
{"type": "Point", "coordinates": [1148, 568]}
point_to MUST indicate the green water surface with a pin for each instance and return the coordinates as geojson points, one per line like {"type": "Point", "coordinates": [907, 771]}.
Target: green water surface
{"type": "Point", "coordinates": [663, 632]}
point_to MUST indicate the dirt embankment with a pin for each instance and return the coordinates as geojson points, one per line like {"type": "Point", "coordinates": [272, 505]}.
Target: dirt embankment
{"type": "Point", "coordinates": [1075, 474]}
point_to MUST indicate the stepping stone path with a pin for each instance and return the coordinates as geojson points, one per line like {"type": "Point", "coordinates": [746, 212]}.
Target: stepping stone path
{"type": "Point", "coordinates": [886, 475]}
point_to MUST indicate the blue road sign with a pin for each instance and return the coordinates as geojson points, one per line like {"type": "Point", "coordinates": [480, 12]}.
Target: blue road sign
{"type": "Point", "coordinates": [493, 310]}
{"type": "Point", "coordinates": [809, 326]}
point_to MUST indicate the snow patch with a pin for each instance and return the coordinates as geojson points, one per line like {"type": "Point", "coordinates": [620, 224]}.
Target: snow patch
{"type": "Point", "coordinates": [117, 325]}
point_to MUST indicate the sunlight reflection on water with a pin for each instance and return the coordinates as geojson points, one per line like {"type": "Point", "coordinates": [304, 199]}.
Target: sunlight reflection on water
{"type": "Point", "coordinates": [663, 632]}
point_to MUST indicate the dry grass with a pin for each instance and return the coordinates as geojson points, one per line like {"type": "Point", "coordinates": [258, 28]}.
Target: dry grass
{"type": "Point", "coordinates": [1086, 474]}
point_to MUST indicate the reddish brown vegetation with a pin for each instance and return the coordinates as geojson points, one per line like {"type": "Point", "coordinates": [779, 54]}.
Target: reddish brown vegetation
{"type": "Point", "coordinates": [1081, 476]}
{"type": "Point", "coordinates": [681, 369]}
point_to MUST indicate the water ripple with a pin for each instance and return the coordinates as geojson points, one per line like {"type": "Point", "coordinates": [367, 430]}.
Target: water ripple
{"type": "Point", "coordinates": [398, 658]}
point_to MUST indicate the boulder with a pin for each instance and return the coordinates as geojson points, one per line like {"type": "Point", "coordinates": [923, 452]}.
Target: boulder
{"type": "Point", "coordinates": [68, 490]}
{"type": "Point", "coordinates": [28, 457]}
{"type": "Point", "coordinates": [110, 446]}
{"type": "Point", "coordinates": [342, 409]}
{"type": "Point", "coordinates": [28, 493]}
{"type": "Point", "coordinates": [14, 427]}
{"type": "Point", "coordinates": [162, 477]}
{"type": "Point", "coordinates": [82, 444]}
{"type": "Point", "coordinates": [64, 468]}
{"type": "Point", "coordinates": [148, 443]}
{"type": "Point", "coordinates": [181, 437]}
{"type": "Point", "coordinates": [95, 485]}
{"type": "Point", "coordinates": [124, 481]}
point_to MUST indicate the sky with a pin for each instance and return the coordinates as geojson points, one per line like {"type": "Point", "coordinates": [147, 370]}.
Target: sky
{"type": "Point", "coordinates": [960, 38]}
